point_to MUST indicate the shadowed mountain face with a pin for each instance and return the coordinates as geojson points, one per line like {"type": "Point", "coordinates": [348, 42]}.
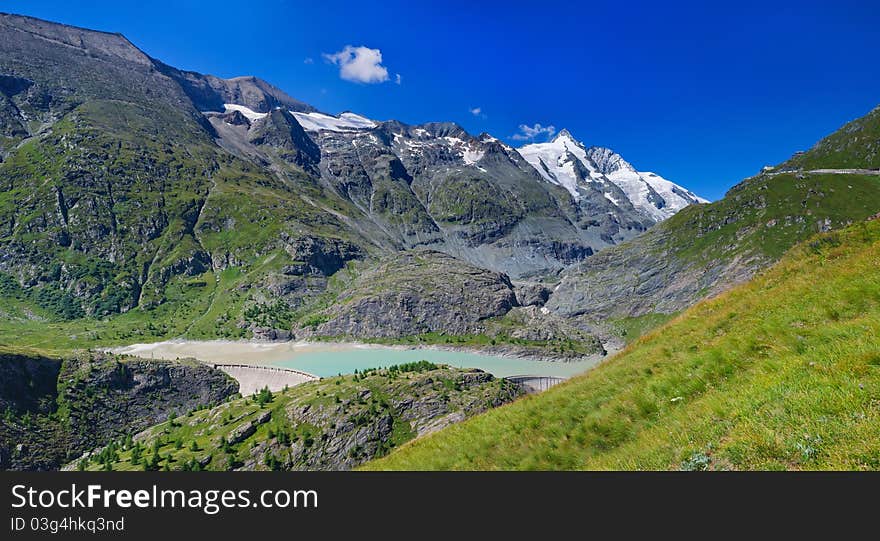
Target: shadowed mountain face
{"type": "Point", "coordinates": [209, 93]}
{"type": "Point", "coordinates": [56, 409]}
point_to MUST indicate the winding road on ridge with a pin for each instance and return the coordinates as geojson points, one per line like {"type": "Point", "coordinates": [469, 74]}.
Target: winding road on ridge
{"type": "Point", "coordinates": [825, 172]}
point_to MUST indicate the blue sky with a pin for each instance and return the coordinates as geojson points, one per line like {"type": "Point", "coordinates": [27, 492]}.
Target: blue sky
{"type": "Point", "coordinates": [703, 93]}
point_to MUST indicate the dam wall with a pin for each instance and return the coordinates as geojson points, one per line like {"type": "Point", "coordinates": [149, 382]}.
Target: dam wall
{"type": "Point", "coordinates": [252, 378]}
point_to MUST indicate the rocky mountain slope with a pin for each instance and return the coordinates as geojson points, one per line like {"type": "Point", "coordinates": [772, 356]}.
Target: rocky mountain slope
{"type": "Point", "coordinates": [117, 186]}
{"type": "Point", "coordinates": [705, 249]}
{"type": "Point", "coordinates": [56, 409]}
{"type": "Point", "coordinates": [780, 373]}
{"type": "Point", "coordinates": [332, 424]}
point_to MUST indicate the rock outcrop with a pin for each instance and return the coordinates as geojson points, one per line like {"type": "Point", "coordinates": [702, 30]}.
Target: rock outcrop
{"type": "Point", "coordinates": [332, 424]}
{"type": "Point", "coordinates": [416, 293]}
{"type": "Point", "coordinates": [57, 409]}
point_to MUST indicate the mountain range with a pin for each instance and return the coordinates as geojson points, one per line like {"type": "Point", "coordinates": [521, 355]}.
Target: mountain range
{"type": "Point", "coordinates": [475, 198]}
{"type": "Point", "coordinates": [126, 180]}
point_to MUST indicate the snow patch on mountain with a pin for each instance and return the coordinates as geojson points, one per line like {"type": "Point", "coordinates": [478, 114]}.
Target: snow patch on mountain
{"type": "Point", "coordinates": [611, 198]}
{"type": "Point", "coordinates": [471, 157]}
{"type": "Point", "coordinates": [314, 122]}
{"type": "Point", "coordinates": [345, 122]}
{"type": "Point", "coordinates": [248, 113]}
{"type": "Point", "coordinates": [469, 151]}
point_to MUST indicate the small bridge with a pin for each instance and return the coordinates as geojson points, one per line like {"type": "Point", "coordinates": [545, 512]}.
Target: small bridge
{"type": "Point", "coordinates": [252, 378]}
{"type": "Point", "coordinates": [535, 384]}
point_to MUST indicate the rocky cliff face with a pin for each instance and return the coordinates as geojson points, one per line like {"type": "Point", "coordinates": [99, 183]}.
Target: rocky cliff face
{"type": "Point", "coordinates": [416, 293]}
{"type": "Point", "coordinates": [209, 93]}
{"type": "Point", "coordinates": [56, 409]}
{"type": "Point", "coordinates": [436, 186]}
{"type": "Point", "coordinates": [646, 276]}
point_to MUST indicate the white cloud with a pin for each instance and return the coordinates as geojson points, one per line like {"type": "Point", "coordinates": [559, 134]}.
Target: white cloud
{"type": "Point", "coordinates": [397, 78]}
{"type": "Point", "coordinates": [359, 64]}
{"type": "Point", "coordinates": [309, 60]}
{"type": "Point", "coordinates": [477, 112]}
{"type": "Point", "coordinates": [527, 133]}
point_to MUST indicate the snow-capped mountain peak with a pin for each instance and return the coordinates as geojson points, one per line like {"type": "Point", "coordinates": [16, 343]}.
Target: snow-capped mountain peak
{"type": "Point", "coordinates": [569, 163]}
{"type": "Point", "coordinates": [560, 161]}
{"type": "Point", "coordinates": [564, 135]}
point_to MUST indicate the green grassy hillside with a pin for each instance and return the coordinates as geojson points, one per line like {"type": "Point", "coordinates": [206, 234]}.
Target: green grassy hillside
{"type": "Point", "coordinates": [780, 373]}
{"type": "Point", "coordinates": [855, 145]}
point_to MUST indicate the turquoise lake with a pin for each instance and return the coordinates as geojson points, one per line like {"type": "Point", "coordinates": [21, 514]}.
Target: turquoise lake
{"type": "Point", "coordinates": [331, 359]}
{"type": "Point", "coordinates": [331, 363]}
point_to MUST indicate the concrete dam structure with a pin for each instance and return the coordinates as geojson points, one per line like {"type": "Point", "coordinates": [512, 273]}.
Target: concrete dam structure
{"type": "Point", "coordinates": [535, 384]}
{"type": "Point", "coordinates": [252, 378]}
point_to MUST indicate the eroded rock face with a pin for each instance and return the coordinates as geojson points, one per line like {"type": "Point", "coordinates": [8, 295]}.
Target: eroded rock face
{"type": "Point", "coordinates": [270, 334]}
{"type": "Point", "coordinates": [419, 292]}
{"type": "Point", "coordinates": [318, 256]}
{"type": "Point", "coordinates": [475, 198]}
{"type": "Point", "coordinates": [279, 130]}
{"type": "Point", "coordinates": [532, 294]}
{"type": "Point", "coordinates": [60, 408]}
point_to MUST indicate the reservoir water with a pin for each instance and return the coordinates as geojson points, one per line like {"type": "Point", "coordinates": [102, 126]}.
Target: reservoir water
{"type": "Point", "coordinates": [331, 363]}
{"type": "Point", "coordinates": [330, 359]}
